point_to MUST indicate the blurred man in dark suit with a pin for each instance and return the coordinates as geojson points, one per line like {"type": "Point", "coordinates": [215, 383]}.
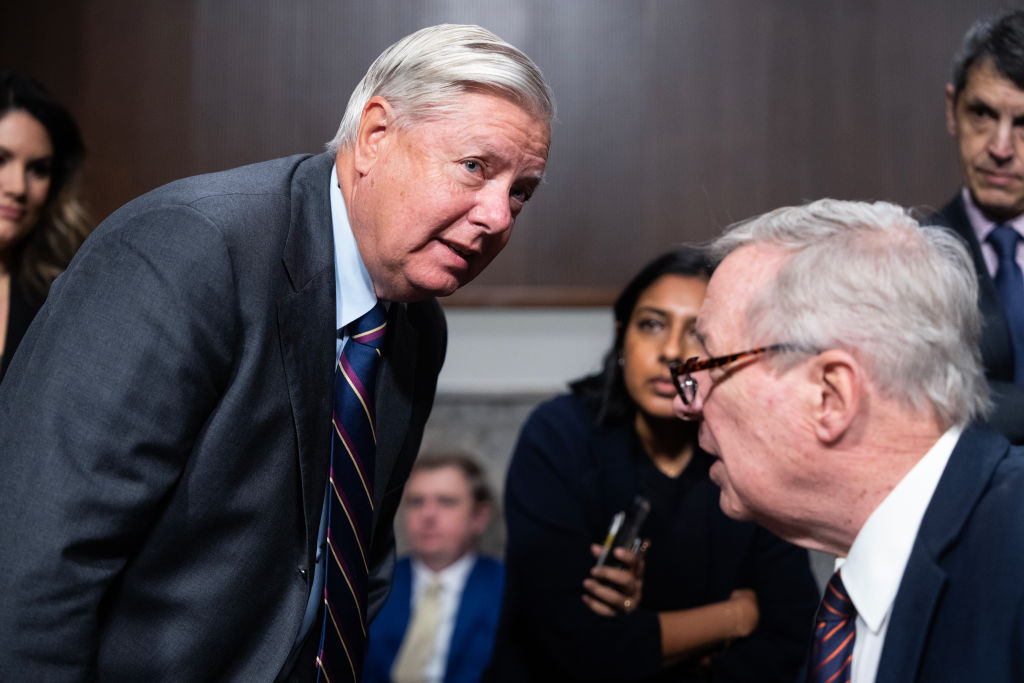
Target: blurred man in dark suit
{"type": "Point", "coordinates": [440, 621]}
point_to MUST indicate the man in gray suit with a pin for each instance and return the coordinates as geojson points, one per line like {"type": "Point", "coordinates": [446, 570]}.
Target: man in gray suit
{"type": "Point", "coordinates": [165, 427]}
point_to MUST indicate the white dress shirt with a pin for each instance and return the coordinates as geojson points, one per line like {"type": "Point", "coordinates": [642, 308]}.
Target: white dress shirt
{"type": "Point", "coordinates": [873, 569]}
{"type": "Point", "coordinates": [453, 580]}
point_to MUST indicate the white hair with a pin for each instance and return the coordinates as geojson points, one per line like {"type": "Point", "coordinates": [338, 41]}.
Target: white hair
{"type": "Point", "coordinates": [424, 74]}
{"type": "Point", "coordinates": [869, 279]}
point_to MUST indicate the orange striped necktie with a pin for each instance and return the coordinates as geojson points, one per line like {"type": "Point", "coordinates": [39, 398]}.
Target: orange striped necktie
{"type": "Point", "coordinates": [350, 501]}
{"type": "Point", "coordinates": [834, 632]}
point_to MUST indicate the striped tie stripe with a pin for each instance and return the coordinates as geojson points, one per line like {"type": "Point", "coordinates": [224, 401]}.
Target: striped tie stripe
{"type": "Point", "coordinates": [346, 508]}
{"type": "Point", "coordinates": [346, 441]}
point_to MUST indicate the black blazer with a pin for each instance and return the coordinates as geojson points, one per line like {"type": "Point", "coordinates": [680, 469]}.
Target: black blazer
{"type": "Point", "coordinates": [996, 345]}
{"type": "Point", "coordinates": [21, 311]}
{"type": "Point", "coordinates": [165, 431]}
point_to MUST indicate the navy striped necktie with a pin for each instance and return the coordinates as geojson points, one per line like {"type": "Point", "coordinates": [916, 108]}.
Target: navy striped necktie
{"type": "Point", "coordinates": [834, 632]}
{"type": "Point", "coordinates": [350, 501]}
{"type": "Point", "coordinates": [1010, 284]}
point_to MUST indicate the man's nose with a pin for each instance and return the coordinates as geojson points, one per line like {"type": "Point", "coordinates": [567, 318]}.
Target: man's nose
{"type": "Point", "coordinates": [1001, 143]}
{"type": "Point", "coordinates": [691, 411]}
{"type": "Point", "coordinates": [492, 210]}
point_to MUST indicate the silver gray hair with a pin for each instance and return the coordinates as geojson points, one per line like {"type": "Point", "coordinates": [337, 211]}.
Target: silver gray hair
{"type": "Point", "coordinates": [867, 278]}
{"type": "Point", "coordinates": [424, 74]}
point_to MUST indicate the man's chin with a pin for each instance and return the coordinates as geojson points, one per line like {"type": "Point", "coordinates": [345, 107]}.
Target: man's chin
{"type": "Point", "coordinates": [997, 204]}
{"type": "Point", "coordinates": [731, 507]}
{"type": "Point", "coordinates": [412, 291]}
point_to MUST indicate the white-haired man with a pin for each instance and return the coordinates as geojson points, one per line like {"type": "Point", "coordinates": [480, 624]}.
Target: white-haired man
{"type": "Point", "coordinates": [166, 427]}
{"type": "Point", "coordinates": [841, 378]}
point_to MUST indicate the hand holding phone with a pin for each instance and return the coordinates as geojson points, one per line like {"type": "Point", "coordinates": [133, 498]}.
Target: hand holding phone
{"type": "Point", "coordinates": [624, 532]}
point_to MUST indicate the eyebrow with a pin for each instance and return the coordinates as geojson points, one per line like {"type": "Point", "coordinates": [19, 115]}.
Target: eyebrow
{"type": "Point", "coordinates": [9, 152]}
{"type": "Point", "coordinates": [489, 152]}
{"type": "Point", "coordinates": [652, 309]}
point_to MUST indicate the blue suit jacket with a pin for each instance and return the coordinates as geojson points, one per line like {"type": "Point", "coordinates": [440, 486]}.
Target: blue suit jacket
{"type": "Point", "coordinates": [959, 611]}
{"type": "Point", "coordinates": [475, 623]}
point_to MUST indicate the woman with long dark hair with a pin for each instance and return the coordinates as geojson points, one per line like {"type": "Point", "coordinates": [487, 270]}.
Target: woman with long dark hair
{"type": "Point", "coordinates": [42, 222]}
{"type": "Point", "coordinates": [713, 598]}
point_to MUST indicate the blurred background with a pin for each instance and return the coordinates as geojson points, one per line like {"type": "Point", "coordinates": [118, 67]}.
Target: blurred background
{"type": "Point", "coordinates": [675, 118]}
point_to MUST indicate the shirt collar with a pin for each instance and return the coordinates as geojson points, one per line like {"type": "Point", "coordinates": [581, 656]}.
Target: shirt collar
{"type": "Point", "coordinates": [353, 289]}
{"type": "Point", "coordinates": [452, 577]}
{"type": "Point", "coordinates": [982, 225]}
{"type": "Point", "coordinates": [873, 569]}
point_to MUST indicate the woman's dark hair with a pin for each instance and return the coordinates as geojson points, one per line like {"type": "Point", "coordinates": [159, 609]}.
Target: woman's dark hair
{"type": "Point", "coordinates": [607, 388]}
{"type": "Point", "coordinates": [63, 225]}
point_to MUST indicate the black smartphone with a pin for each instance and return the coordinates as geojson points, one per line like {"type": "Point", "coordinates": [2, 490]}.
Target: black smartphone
{"type": "Point", "coordinates": [624, 531]}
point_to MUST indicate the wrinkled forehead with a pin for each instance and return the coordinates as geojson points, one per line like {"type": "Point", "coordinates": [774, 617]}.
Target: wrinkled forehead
{"type": "Point", "coordinates": [744, 273]}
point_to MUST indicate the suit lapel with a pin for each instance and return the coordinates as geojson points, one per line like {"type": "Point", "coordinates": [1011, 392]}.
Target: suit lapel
{"type": "Point", "coordinates": [395, 386]}
{"type": "Point", "coordinates": [996, 343]}
{"type": "Point", "coordinates": [306, 319]}
{"type": "Point", "coordinates": [964, 481]}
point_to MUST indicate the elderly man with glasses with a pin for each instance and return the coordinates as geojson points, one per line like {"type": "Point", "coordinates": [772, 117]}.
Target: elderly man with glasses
{"type": "Point", "coordinates": [848, 426]}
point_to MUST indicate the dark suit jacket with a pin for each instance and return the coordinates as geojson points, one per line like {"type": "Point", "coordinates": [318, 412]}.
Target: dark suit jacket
{"type": "Point", "coordinates": [165, 431]}
{"type": "Point", "coordinates": [959, 611]}
{"type": "Point", "coordinates": [475, 624]}
{"type": "Point", "coordinates": [21, 311]}
{"type": "Point", "coordinates": [996, 345]}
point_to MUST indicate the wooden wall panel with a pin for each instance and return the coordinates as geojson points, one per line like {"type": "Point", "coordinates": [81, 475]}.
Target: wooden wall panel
{"type": "Point", "coordinates": [675, 117]}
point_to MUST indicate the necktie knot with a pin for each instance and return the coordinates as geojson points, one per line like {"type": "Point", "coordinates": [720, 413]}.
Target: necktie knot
{"type": "Point", "coordinates": [369, 328]}
{"type": "Point", "coordinates": [836, 604]}
{"type": "Point", "coordinates": [1004, 240]}
{"type": "Point", "coordinates": [433, 589]}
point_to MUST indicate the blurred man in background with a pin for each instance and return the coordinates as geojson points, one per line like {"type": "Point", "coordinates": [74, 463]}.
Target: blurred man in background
{"type": "Point", "coordinates": [439, 623]}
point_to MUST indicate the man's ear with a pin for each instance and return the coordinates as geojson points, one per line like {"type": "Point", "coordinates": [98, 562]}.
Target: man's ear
{"type": "Point", "coordinates": [950, 110]}
{"type": "Point", "coordinates": [376, 121]}
{"type": "Point", "coordinates": [481, 518]}
{"type": "Point", "coordinates": [839, 392]}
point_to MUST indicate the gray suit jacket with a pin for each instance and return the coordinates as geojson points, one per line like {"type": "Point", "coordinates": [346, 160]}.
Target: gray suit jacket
{"type": "Point", "coordinates": [165, 431]}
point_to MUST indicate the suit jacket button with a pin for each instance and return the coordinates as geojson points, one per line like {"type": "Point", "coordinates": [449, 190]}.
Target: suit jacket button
{"type": "Point", "coordinates": [302, 573]}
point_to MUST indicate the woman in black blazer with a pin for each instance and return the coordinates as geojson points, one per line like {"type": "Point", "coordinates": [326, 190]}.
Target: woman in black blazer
{"type": "Point", "coordinates": [720, 600]}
